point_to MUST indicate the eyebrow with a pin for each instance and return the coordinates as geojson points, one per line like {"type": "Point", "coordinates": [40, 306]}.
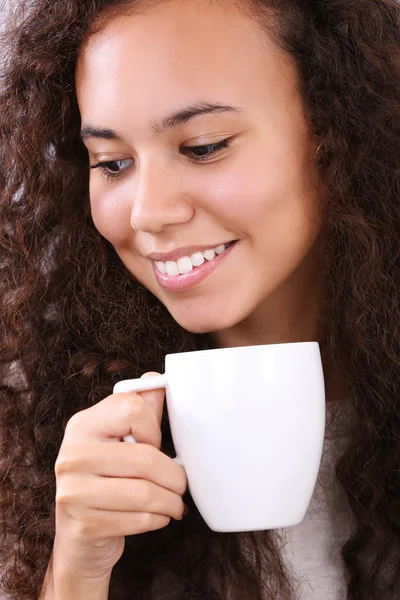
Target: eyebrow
{"type": "Point", "coordinates": [175, 119]}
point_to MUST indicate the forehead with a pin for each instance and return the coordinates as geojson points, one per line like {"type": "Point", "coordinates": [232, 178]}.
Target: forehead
{"type": "Point", "coordinates": [174, 33]}
{"type": "Point", "coordinates": [176, 52]}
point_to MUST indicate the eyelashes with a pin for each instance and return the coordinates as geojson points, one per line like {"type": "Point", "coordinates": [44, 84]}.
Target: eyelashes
{"type": "Point", "coordinates": [212, 148]}
{"type": "Point", "coordinates": [113, 169]}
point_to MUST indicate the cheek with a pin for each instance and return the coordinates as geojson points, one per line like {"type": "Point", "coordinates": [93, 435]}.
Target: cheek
{"type": "Point", "coordinates": [267, 201]}
{"type": "Point", "coordinates": [248, 194]}
{"type": "Point", "coordinates": [111, 215]}
{"type": "Point", "coordinates": [235, 195]}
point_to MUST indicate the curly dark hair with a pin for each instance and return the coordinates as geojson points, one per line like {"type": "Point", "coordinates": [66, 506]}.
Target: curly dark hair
{"type": "Point", "coordinates": [74, 320]}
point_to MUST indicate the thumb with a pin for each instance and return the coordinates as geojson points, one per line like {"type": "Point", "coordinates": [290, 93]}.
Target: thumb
{"type": "Point", "coordinates": [154, 397]}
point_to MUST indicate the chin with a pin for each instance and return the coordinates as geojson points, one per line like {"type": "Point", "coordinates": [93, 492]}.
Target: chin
{"type": "Point", "coordinates": [206, 323]}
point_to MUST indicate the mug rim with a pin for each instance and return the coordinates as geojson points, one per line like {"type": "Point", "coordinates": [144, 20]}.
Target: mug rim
{"type": "Point", "coordinates": [243, 348]}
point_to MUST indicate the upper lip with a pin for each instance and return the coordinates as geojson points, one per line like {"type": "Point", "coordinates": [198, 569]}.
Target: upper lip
{"type": "Point", "coordinates": [179, 252]}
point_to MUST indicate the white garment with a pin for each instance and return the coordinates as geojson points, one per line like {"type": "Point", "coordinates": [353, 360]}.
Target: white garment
{"type": "Point", "coordinates": [312, 549]}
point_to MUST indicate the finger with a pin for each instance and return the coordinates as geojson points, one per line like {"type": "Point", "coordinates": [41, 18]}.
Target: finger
{"type": "Point", "coordinates": [142, 461]}
{"type": "Point", "coordinates": [103, 524]}
{"type": "Point", "coordinates": [113, 418]}
{"type": "Point", "coordinates": [126, 495]}
{"type": "Point", "coordinates": [137, 495]}
{"type": "Point", "coordinates": [155, 398]}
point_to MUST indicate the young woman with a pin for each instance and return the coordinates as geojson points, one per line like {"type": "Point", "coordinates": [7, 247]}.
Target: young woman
{"type": "Point", "coordinates": [175, 176]}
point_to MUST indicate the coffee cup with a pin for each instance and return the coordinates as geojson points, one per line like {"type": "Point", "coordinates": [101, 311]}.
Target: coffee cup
{"type": "Point", "coordinates": [248, 426]}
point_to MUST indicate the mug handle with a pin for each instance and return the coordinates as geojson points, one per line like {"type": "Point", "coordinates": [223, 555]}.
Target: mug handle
{"type": "Point", "coordinates": [144, 384]}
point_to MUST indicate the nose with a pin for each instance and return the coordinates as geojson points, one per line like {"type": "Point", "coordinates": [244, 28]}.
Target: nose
{"type": "Point", "coordinates": [159, 200]}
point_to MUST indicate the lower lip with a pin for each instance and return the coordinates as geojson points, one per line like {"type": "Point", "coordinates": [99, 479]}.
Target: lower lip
{"type": "Point", "coordinates": [186, 281]}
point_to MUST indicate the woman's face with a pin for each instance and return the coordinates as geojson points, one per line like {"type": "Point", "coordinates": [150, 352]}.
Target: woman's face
{"type": "Point", "coordinates": [147, 86]}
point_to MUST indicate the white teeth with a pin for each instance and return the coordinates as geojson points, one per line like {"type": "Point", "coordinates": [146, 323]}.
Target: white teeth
{"type": "Point", "coordinates": [184, 264]}
{"type": "Point", "coordinates": [161, 266]}
{"type": "Point", "coordinates": [209, 254]}
{"type": "Point", "coordinates": [172, 268]}
{"type": "Point", "coordinates": [197, 259]}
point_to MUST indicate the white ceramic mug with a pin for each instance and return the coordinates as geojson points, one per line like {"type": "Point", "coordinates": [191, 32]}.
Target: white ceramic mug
{"type": "Point", "coordinates": [248, 426]}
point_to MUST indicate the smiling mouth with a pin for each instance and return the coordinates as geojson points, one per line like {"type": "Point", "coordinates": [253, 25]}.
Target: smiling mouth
{"type": "Point", "coordinates": [186, 264]}
{"type": "Point", "coordinates": [195, 274]}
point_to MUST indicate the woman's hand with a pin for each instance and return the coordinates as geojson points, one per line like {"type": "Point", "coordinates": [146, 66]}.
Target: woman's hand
{"type": "Point", "coordinates": [107, 489]}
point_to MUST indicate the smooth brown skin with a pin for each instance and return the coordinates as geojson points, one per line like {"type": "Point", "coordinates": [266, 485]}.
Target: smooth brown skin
{"type": "Point", "coordinates": [261, 190]}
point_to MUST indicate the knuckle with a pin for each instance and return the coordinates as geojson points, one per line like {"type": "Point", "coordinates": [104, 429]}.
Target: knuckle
{"type": "Point", "coordinates": [74, 423]}
{"type": "Point", "coordinates": [149, 522]}
{"type": "Point", "coordinates": [130, 406]}
{"type": "Point", "coordinates": [144, 521]}
{"type": "Point", "coordinates": [65, 496]}
{"type": "Point", "coordinates": [65, 464]}
{"type": "Point", "coordinates": [69, 497]}
{"type": "Point", "coordinates": [143, 493]}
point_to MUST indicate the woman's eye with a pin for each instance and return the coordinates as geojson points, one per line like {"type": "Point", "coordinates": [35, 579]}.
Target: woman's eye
{"type": "Point", "coordinates": [113, 168]}
{"type": "Point", "coordinates": [202, 153]}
